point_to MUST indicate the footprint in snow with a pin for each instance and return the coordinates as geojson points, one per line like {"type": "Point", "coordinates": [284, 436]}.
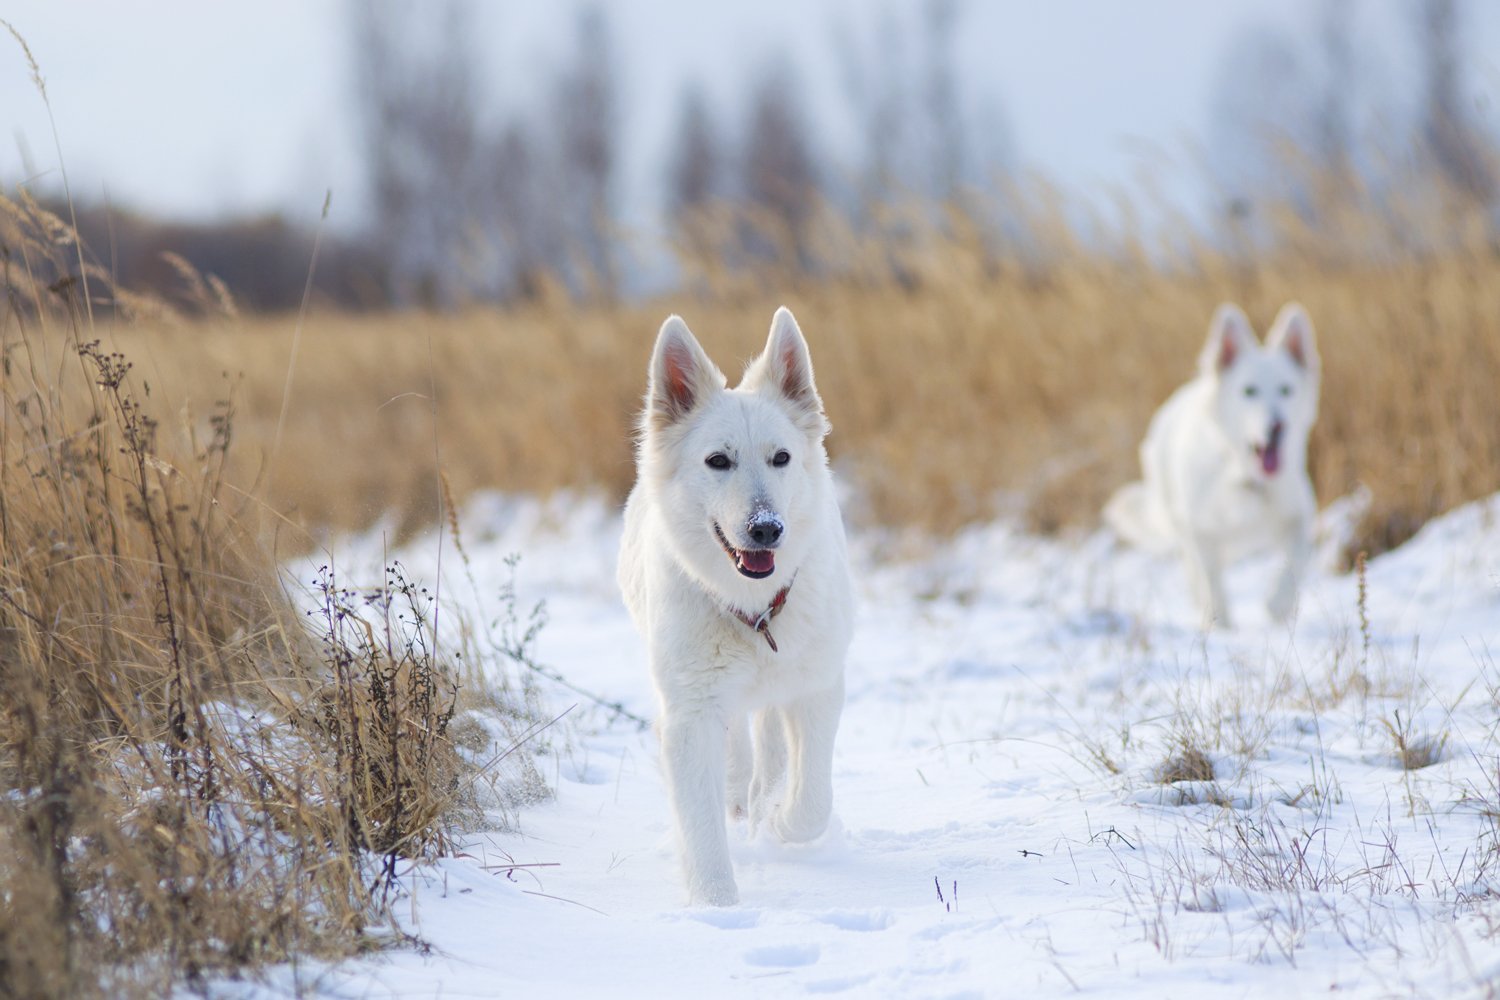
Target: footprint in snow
{"type": "Point", "coordinates": [972, 670]}
{"type": "Point", "coordinates": [858, 920]}
{"type": "Point", "coordinates": [785, 956]}
{"type": "Point", "coordinates": [585, 773]}
{"type": "Point", "coordinates": [840, 984]}
{"type": "Point", "coordinates": [729, 919]}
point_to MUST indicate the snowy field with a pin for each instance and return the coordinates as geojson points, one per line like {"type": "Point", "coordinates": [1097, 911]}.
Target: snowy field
{"type": "Point", "coordinates": [1004, 823]}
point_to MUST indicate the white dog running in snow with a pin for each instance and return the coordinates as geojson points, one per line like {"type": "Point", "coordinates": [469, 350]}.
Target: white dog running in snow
{"type": "Point", "coordinates": [734, 567]}
{"type": "Point", "coordinates": [1225, 460]}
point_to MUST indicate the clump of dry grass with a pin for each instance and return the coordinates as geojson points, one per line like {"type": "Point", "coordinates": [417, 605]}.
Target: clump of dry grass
{"type": "Point", "coordinates": [1185, 761]}
{"type": "Point", "coordinates": [387, 710]}
{"type": "Point", "coordinates": [192, 782]}
{"type": "Point", "coordinates": [1413, 750]}
{"type": "Point", "coordinates": [963, 379]}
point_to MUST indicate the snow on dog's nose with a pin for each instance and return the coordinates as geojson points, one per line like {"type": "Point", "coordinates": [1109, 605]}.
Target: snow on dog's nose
{"type": "Point", "coordinates": [764, 528]}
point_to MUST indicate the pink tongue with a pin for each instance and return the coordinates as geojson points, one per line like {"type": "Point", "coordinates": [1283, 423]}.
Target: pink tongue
{"type": "Point", "coordinates": [1270, 454]}
{"type": "Point", "coordinates": [758, 560]}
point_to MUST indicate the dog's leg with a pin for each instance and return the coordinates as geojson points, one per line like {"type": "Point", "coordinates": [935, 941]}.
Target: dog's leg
{"type": "Point", "coordinates": [1297, 542]}
{"type": "Point", "coordinates": [741, 762]}
{"type": "Point", "coordinates": [770, 763]}
{"type": "Point", "coordinates": [1206, 576]}
{"type": "Point", "coordinates": [692, 743]}
{"type": "Point", "coordinates": [811, 724]}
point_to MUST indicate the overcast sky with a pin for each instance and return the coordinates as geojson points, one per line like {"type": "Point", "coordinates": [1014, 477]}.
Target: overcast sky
{"type": "Point", "coordinates": [193, 108]}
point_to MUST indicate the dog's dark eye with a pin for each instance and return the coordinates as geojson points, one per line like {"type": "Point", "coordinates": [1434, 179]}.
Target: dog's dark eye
{"type": "Point", "coordinates": [718, 460]}
{"type": "Point", "coordinates": [1286, 390]}
{"type": "Point", "coordinates": [1250, 391]}
{"type": "Point", "coordinates": [780, 459]}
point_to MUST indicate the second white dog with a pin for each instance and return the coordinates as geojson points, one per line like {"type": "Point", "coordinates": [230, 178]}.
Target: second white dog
{"type": "Point", "coordinates": [734, 568]}
{"type": "Point", "coordinates": [1224, 463]}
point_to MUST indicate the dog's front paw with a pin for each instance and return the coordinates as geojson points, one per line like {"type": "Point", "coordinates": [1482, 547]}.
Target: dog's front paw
{"type": "Point", "coordinates": [799, 826]}
{"type": "Point", "coordinates": [719, 892]}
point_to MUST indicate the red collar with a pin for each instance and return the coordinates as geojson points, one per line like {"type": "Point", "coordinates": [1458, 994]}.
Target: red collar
{"type": "Point", "coordinates": [762, 623]}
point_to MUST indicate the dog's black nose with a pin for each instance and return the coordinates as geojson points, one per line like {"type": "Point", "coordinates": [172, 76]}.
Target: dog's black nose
{"type": "Point", "coordinates": [765, 532]}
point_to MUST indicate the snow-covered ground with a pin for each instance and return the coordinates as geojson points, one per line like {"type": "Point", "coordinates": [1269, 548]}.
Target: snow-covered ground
{"type": "Point", "coordinates": [1002, 827]}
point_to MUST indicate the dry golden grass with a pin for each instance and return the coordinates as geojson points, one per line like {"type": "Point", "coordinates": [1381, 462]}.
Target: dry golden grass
{"type": "Point", "coordinates": [193, 781]}
{"type": "Point", "coordinates": [959, 383]}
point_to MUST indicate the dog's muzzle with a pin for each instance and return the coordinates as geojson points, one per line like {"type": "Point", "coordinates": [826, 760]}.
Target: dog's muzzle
{"type": "Point", "coordinates": [757, 561]}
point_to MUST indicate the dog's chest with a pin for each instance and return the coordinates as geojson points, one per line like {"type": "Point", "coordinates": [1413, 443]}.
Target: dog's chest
{"type": "Point", "coordinates": [804, 658]}
{"type": "Point", "coordinates": [702, 649]}
{"type": "Point", "coordinates": [1247, 509]}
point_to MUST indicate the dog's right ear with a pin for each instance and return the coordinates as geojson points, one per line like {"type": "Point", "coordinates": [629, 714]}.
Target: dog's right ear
{"type": "Point", "coordinates": [1292, 332]}
{"type": "Point", "coordinates": [682, 376]}
{"type": "Point", "coordinates": [1229, 337]}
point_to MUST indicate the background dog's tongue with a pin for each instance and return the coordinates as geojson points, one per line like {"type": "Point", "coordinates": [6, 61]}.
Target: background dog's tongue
{"type": "Point", "coordinates": [1270, 455]}
{"type": "Point", "coordinates": [758, 561]}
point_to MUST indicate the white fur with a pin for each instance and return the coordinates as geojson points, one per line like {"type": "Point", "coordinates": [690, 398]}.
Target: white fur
{"type": "Point", "coordinates": [711, 671]}
{"type": "Point", "coordinates": [1205, 490]}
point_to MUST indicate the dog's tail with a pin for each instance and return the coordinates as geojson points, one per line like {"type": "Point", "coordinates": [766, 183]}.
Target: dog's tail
{"type": "Point", "coordinates": [1136, 517]}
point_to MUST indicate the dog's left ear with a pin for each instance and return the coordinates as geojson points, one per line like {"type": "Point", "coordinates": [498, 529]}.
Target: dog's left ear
{"type": "Point", "coordinates": [1292, 332]}
{"type": "Point", "coordinates": [786, 367]}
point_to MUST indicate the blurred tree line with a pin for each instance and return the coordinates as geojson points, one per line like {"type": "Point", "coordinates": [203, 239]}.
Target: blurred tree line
{"type": "Point", "coordinates": [1321, 125]}
{"type": "Point", "coordinates": [471, 202]}
{"type": "Point", "coordinates": [472, 205]}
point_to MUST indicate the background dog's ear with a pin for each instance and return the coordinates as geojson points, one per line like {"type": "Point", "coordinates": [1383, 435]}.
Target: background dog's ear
{"type": "Point", "coordinates": [682, 376]}
{"type": "Point", "coordinates": [786, 366]}
{"type": "Point", "coordinates": [1229, 337]}
{"type": "Point", "coordinates": [1293, 332]}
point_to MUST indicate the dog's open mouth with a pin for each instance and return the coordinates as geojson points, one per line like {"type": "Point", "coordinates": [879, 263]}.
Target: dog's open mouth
{"type": "Point", "coordinates": [1270, 452]}
{"type": "Point", "coordinates": [757, 564]}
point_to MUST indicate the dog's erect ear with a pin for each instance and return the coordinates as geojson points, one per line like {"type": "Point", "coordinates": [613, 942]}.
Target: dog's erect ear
{"type": "Point", "coordinates": [787, 363]}
{"type": "Point", "coordinates": [1229, 337]}
{"type": "Point", "coordinates": [786, 367]}
{"type": "Point", "coordinates": [682, 376]}
{"type": "Point", "coordinates": [1293, 333]}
